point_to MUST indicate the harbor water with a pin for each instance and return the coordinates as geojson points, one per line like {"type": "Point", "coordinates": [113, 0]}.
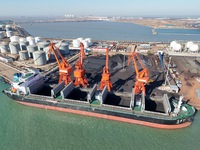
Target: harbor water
{"type": "Point", "coordinates": [109, 31]}
{"type": "Point", "coordinates": [28, 128]}
{"type": "Point", "coordinates": [24, 128]}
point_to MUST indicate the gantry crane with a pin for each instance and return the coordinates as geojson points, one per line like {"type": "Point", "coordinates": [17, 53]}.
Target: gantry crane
{"type": "Point", "coordinates": [64, 67]}
{"type": "Point", "coordinates": [79, 73]}
{"type": "Point", "coordinates": [105, 80]}
{"type": "Point", "coordinates": [142, 76]}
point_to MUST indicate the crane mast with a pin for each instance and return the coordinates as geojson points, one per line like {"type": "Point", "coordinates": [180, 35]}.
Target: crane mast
{"type": "Point", "coordinates": [64, 67]}
{"type": "Point", "coordinates": [105, 80]}
{"type": "Point", "coordinates": [142, 78]}
{"type": "Point", "coordinates": [79, 73]}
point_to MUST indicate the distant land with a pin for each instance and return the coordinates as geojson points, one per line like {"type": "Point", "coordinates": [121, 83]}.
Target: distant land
{"type": "Point", "coordinates": [153, 22]}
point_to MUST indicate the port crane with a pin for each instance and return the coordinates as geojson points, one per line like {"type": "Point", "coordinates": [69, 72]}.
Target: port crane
{"type": "Point", "coordinates": [79, 72]}
{"type": "Point", "coordinates": [105, 80]}
{"type": "Point", "coordinates": [64, 67]}
{"type": "Point", "coordinates": [142, 78]}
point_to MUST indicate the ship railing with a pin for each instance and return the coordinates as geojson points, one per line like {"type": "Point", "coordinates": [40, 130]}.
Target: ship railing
{"type": "Point", "coordinates": [116, 107]}
{"type": "Point", "coordinates": [76, 101]}
{"type": "Point", "coordinates": [41, 96]}
{"type": "Point", "coordinates": [155, 113]}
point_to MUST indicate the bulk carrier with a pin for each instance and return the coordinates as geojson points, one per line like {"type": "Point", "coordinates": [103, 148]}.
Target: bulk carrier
{"type": "Point", "coordinates": [27, 89]}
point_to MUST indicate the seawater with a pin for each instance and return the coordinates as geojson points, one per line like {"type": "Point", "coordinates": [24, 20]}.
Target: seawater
{"type": "Point", "coordinates": [108, 31]}
{"type": "Point", "coordinates": [24, 128]}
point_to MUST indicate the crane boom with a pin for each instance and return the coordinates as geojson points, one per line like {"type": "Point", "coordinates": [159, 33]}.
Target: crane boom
{"type": "Point", "coordinates": [64, 67]}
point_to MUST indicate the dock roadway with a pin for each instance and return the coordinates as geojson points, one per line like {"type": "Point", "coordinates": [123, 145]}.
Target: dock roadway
{"type": "Point", "coordinates": [7, 71]}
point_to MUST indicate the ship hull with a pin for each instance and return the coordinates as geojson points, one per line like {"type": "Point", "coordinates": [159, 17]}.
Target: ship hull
{"type": "Point", "coordinates": [150, 121]}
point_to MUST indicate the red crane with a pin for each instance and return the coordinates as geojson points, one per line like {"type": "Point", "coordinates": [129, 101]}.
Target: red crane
{"type": "Point", "coordinates": [64, 67]}
{"type": "Point", "coordinates": [142, 77]}
{"type": "Point", "coordinates": [79, 73]}
{"type": "Point", "coordinates": [105, 80]}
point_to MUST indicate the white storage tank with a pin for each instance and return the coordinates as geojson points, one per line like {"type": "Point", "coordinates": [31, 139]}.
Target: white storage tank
{"type": "Point", "coordinates": [76, 43]}
{"type": "Point", "coordinates": [22, 39]}
{"type": "Point", "coordinates": [51, 55]}
{"type": "Point", "coordinates": [188, 44]}
{"type": "Point", "coordinates": [177, 47]}
{"type": "Point", "coordinates": [23, 45]}
{"type": "Point", "coordinates": [31, 41]}
{"type": "Point", "coordinates": [2, 34]}
{"type": "Point", "coordinates": [194, 48]}
{"type": "Point", "coordinates": [39, 58]}
{"type": "Point", "coordinates": [38, 39]}
{"type": "Point", "coordinates": [14, 38]}
{"type": "Point", "coordinates": [63, 48]}
{"type": "Point", "coordinates": [8, 28]}
{"type": "Point", "coordinates": [4, 47]}
{"type": "Point", "coordinates": [85, 43]}
{"type": "Point", "coordinates": [31, 49]}
{"type": "Point", "coordinates": [23, 55]}
{"type": "Point", "coordinates": [89, 41]}
{"type": "Point", "coordinates": [14, 47]}
{"type": "Point", "coordinates": [9, 33]}
{"type": "Point", "coordinates": [2, 27]}
{"type": "Point", "coordinates": [172, 44]}
{"type": "Point", "coordinates": [80, 39]}
{"type": "Point", "coordinates": [42, 45]}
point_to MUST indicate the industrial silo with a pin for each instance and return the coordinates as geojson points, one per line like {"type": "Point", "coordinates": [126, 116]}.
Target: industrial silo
{"type": "Point", "coordinates": [63, 48]}
{"type": "Point", "coordinates": [31, 49]}
{"type": "Point", "coordinates": [177, 47]}
{"type": "Point", "coordinates": [39, 58]}
{"type": "Point", "coordinates": [194, 48]}
{"type": "Point", "coordinates": [38, 39]}
{"type": "Point", "coordinates": [76, 43]}
{"type": "Point", "coordinates": [80, 39]}
{"type": "Point", "coordinates": [2, 27]}
{"type": "Point", "coordinates": [85, 43]}
{"type": "Point", "coordinates": [4, 47]}
{"type": "Point", "coordinates": [14, 47]}
{"type": "Point", "coordinates": [42, 45]}
{"type": "Point", "coordinates": [188, 44]}
{"type": "Point", "coordinates": [31, 41]}
{"type": "Point", "coordinates": [50, 56]}
{"type": "Point", "coordinates": [89, 41]}
{"type": "Point", "coordinates": [14, 38]}
{"type": "Point", "coordinates": [2, 35]}
{"type": "Point", "coordinates": [9, 33]}
{"type": "Point", "coordinates": [23, 55]}
{"type": "Point", "coordinates": [8, 28]}
{"type": "Point", "coordinates": [23, 45]}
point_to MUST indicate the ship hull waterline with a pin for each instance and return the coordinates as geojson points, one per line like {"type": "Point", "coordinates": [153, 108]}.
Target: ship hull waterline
{"type": "Point", "coordinates": [104, 115]}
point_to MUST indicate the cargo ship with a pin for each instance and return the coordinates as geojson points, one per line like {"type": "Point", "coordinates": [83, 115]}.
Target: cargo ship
{"type": "Point", "coordinates": [28, 87]}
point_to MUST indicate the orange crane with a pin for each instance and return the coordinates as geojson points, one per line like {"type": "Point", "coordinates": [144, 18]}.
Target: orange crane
{"type": "Point", "coordinates": [105, 80]}
{"type": "Point", "coordinates": [64, 67]}
{"type": "Point", "coordinates": [142, 77]}
{"type": "Point", "coordinates": [79, 73]}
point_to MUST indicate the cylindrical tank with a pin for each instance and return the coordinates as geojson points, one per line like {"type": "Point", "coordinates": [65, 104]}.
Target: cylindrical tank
{"type": "Point", "coordinates": [76, 43]}
{"type": "Point", "coordinates": [89, 41]}
{"type": "Point", "coordinates": [42, 45]}
{"type": "Point", "coordinates": [194, 48]}
{"type": "Point", "coordinates": [23, 45]}
{"type": "Point", "coordinates": [9, 33]}
{"type": "Point", "coordinates": [85, 43]}
{"type": "Point", "coordinates": [188, 44]}
{"type": "Point", "coordinates": [63, 48]}
{"type": "Point", "coordinates": [22, 39]}
{"type": "Point", "coordinates": [38, 39]}
{"type": "Point", "coordinates": [2, 35]}
{"type": "Point", "coordinates": [31, 49]}
{"type": "Point", "coordinates": [14, 38]}
{"type": "Point", "coordinates": [39, 58]}
{"type": "Point", "coordinates": [31, 41]}
{"type": "Point", "coordinates": [23, 55]}
{"type": "Point", "coordinates": [4, 47]}
{"type": "Point", "coordinates": [173, 43]}
{"type": "Point", "coordinates": [80, 39]}
{"type": "Point", "coordinates": [14, 47]}
{"type": "Point", "coordinates": [177, 47]}
{"type": "Point", "coordinates": [8, 28]}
